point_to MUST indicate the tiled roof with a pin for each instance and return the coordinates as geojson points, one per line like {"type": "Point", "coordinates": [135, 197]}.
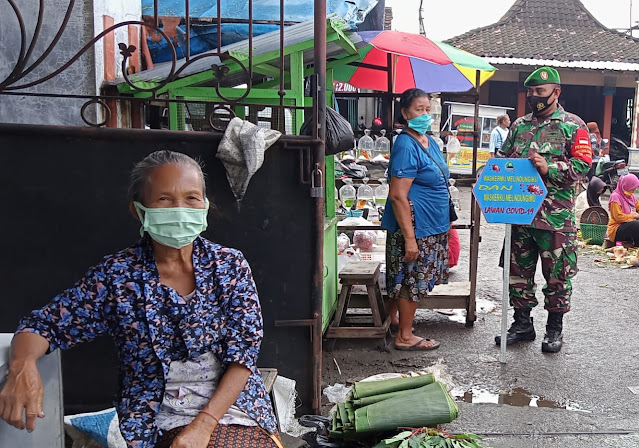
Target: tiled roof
{"type": "Point", "coordinates": [388, 17]}
{"type": "Point", "coordinates": [559, 30]}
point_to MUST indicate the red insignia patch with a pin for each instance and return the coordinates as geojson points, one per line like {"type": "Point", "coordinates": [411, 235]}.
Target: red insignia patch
{"type": "Point", "coordinates": [581, 148]}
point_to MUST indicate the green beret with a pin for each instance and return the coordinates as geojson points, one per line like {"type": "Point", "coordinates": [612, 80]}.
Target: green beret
{"type": "Point", "coordinates": [543, 75]}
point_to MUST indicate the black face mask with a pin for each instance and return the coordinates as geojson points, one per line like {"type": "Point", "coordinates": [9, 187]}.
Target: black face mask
{"type": "Point", "coordinates": [539, 104]}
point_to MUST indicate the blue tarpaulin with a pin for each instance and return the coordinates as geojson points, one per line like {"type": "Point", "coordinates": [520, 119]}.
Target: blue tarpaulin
{"type": "Point", "coordinates": [204, 37]}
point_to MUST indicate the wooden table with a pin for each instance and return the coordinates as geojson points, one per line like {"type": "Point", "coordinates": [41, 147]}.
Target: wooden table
{"type": "Point", "coordinates": [454, 295]}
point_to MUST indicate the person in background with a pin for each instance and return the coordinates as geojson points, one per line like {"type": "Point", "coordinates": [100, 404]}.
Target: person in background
{"type": "Point", "coordinates": [623, 224]}
{"type": "Point", "coordinates": [589, 198]}
{"type": "Point", "coordinates": [184, 315]}
{"type": "Point", "coordinates": [595, 140]}
{"type": "Point", "coordinates": [597, 145]}
{"type": "Point", "coordinates": [558, 145]}
{"type": "Point", "coordinates": [499, 135]}
{"type": "Point", "coordinates": [417, 242]}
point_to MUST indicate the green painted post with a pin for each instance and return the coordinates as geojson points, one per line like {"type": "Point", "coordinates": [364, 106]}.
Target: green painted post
{"type": "Point", "coordinates": [297, 87]}
{"type": "Point", "coordinates": [173, 113]}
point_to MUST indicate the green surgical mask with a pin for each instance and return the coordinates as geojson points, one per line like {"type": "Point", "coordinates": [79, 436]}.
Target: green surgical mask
{"type": "Point", "coordinates": [174, 226]}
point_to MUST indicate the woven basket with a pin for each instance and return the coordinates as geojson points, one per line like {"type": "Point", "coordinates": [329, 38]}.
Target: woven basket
{"type": "Point", "coordinates": [594, 233]}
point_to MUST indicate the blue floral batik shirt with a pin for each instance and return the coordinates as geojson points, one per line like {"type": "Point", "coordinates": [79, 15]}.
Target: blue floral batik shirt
{"type": "Point", "coordinates": [123, 297]}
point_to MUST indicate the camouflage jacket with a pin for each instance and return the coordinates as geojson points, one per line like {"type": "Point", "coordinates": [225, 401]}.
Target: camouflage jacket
{"type": "Point", "coordinates": [559, 140]}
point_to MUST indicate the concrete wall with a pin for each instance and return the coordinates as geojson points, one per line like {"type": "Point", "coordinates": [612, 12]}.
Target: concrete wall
{"type": "Point", "coordinates": [77, 79]}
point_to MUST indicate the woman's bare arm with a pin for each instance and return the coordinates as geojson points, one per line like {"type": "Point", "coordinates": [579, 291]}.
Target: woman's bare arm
{"type": "Point", "coordinates": [23, 390]}
{"type": "Point", "coordinates": [398, 195]}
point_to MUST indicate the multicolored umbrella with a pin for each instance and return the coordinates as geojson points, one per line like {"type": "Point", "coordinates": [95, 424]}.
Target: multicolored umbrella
{"type": "Point", "coordinates": [415, 61]}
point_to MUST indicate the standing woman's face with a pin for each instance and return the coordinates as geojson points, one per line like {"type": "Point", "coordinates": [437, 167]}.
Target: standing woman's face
{"type": "Point", "coordinates": [419, 106]}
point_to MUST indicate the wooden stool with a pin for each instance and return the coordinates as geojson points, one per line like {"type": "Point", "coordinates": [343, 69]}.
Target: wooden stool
{"type": "Point", "coordinates": [360, 273]}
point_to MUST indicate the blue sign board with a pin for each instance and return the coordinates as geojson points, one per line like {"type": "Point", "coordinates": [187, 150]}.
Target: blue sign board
{"type": "Point", "coordinates": [510, 191]}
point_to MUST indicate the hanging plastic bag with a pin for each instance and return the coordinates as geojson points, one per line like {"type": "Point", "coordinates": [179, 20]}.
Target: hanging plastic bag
{"type": "Point", "coordinates": [339, 133]}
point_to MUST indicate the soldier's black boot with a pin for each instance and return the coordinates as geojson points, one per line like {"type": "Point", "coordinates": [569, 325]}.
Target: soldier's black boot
{"type": "Point", "coordinates": [554, 339]}
{"type": "Point", "coordinates": [522, 328]}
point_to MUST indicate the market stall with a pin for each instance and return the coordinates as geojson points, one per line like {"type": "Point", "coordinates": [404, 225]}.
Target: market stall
{"type": "Point", "coordinates": [394, 62]}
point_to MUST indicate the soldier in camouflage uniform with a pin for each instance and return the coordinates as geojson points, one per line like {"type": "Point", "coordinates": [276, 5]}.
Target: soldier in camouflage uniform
{"type": "Point", "coordinates": [558, 144]}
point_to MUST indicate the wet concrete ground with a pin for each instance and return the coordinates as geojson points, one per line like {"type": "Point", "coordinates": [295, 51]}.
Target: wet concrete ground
{"type": "Point", "coordinates": [591, 376]}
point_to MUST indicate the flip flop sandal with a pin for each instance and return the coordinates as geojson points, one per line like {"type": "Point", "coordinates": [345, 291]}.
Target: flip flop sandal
{"type": "Point", "coordinates": [417, 346]}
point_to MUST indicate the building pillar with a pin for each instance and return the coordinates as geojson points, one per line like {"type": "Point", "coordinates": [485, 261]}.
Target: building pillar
{"type": "Point", "coordinates": [634, 140]}
{"type": "Point", "coordinates": [521, 104]}
{"type": "Point", "coordinates": [109, 68]}
{"type": "Point", "coordinates": [607, 121]}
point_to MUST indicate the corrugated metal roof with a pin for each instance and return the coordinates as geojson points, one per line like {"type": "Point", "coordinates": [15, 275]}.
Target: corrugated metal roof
{"type": "Point", "coordinates": [263, 44]}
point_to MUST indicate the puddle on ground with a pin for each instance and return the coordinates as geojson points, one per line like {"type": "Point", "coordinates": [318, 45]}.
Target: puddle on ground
{"type": "Point", "coordinates": [516, 397]}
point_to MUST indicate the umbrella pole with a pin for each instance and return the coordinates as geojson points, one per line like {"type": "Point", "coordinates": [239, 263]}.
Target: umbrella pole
{"type": "Point", "coordinates": [389, 94]}
{"type": "Point", "coordinates": [476, 125]}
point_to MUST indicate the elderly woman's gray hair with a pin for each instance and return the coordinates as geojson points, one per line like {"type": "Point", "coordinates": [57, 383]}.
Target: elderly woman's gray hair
{"type": "Point", "coordinates": [502, 119]}
{"type": "Point", "coordinates": [143, 169]}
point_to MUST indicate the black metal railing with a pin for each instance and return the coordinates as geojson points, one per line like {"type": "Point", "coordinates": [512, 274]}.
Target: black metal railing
{"type": "Point", "coordinates": [21, 80]}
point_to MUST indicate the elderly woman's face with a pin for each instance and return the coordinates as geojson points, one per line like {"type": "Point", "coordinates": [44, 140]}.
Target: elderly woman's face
{"type": "Point", "coordinates": [419, 106]}
{"type": "Point", "coordinates": [174, 185]}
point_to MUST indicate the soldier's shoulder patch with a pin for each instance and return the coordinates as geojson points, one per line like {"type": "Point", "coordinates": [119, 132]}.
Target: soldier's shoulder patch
{"type": "Point", "coordinates": [581, 148]}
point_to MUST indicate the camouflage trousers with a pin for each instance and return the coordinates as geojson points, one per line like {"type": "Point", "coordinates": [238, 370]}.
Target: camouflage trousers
{"type": "Point", "coordinates": [558, 252]}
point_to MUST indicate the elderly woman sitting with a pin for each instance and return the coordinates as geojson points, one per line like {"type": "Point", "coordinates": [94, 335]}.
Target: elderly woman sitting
{"type": "Point", "coordinates": [185, 317]}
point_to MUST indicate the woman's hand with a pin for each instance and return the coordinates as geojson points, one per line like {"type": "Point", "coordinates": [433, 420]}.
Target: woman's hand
{"type": "Point", "coordinates": [635, 215]}
{"type": "Point", "coordinates": [196, 434]}
{"type": "Point", "coordinates": [22, 392]}
{"type": "Point", "coordinates": [411, 250]}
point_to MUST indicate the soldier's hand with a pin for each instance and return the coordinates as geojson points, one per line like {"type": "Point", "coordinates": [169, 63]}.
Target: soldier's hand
{"type": "Point", "coordinates": [540, 163]}
{"type": "Point", "coordinates": [22, 394]}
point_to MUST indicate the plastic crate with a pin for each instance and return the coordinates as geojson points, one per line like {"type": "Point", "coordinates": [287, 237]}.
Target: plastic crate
{"type": "Point", "coordinates": [594, 233]}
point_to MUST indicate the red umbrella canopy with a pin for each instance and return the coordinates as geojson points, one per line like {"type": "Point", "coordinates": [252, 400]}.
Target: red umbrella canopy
{"type": "Point", "coordinates": [415, 61]}
{"type": "Point", "coordinates": [406, 44]}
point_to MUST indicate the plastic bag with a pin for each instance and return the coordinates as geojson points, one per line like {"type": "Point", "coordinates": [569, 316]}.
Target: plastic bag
{"type": "Point", "coordinates": [339, 133]}
{"type": "Point", "coordinates": [364, 239]}
{"type": "Point", "coordinates": [343, 243]}
{"type": "Point", "coordinates": [337, 393]}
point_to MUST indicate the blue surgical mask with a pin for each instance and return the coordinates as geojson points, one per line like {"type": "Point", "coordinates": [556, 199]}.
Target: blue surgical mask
{"type": "Point", "coordinates": [421, 123]}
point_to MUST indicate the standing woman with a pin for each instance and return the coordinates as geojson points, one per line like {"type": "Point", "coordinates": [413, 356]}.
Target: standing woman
{"type": "Point", "coordinates": [417, 219]}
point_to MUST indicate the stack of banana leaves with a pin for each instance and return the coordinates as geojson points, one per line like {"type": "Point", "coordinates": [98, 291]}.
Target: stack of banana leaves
{"type": "Point", "coordinates": [378, 406]}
